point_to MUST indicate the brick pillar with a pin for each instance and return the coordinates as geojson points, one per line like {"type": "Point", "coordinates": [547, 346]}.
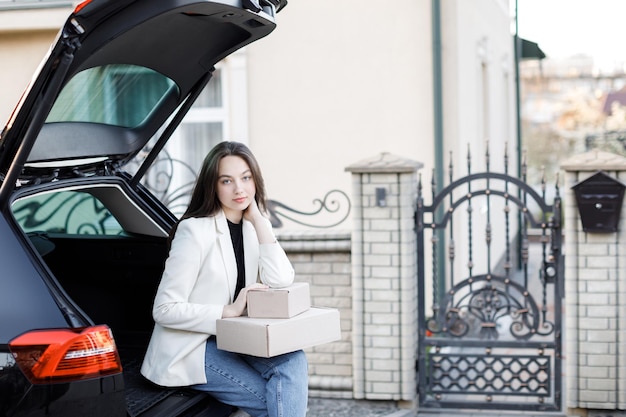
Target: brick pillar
{"type": "Point", "coordinates": [595, 296]}
{"type": "Point", "coordinates": [384, 278]}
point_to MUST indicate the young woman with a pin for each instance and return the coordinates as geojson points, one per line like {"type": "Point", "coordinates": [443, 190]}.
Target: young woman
{"type": "Point", "coordinates": [222, 247]}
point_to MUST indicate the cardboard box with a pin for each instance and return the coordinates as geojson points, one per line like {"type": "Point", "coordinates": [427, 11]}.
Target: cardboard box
{"type": "Point", "coordinates": [279, 303]}
{"type": "Point", "coordinates": [271, 337]}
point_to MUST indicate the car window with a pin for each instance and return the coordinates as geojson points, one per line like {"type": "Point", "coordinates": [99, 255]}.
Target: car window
{"type": "Point", "coordinates": [120, 95]}
{"type": "Point", "coordinates": [67, 212]}
{"type": "Point", "coordinates": [173, 173]}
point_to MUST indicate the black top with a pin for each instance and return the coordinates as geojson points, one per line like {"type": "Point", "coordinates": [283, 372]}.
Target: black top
{"type": "Point", "coordinates": [236, 235]}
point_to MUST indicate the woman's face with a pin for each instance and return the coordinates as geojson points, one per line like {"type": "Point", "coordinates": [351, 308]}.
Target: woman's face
{"type": "Point", "coordinates": [235, 186]}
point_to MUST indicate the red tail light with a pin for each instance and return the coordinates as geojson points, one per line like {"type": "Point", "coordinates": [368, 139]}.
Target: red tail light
{"type": "Point", "coordinates": [80, 6]}
{"type": "Point", "coordinates": [62, 355]}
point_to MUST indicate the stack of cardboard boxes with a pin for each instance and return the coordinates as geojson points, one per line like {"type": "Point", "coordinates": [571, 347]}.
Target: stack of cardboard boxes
{"type": "Point", "coordinates": [279, 320]}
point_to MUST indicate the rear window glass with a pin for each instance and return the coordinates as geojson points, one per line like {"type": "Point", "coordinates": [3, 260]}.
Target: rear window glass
{"type": "Point", "coordinates": [120, 95]}
{"type": "Point", "coordinates": [66, 212]}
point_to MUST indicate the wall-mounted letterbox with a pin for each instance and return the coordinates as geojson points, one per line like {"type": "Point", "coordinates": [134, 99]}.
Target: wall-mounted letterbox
{"type": "Point", "coordinates": [599, 200]}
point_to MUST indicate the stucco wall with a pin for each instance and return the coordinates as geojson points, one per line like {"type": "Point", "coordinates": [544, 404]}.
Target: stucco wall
{"type": "Point", "coordinates": [25, 38]}
{"type": "Point", "coordinates": [340, 81]}
{"type": "Point", "coordinates": [344, 80]}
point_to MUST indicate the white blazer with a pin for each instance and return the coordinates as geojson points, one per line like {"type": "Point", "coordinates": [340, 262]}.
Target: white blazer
{"type": "Point", "coordinates": [199, 279]}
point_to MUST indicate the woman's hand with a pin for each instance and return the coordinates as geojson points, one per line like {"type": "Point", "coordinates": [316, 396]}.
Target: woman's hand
{"type": "Point", "coordinates": [261, 225]}
{"type": "Point", "coordinates": [237, 308]}
{"type": "Point", "coordinates": [253, 213]}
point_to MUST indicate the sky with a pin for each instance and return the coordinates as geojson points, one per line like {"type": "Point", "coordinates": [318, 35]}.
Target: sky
{"type": "Point", "coordinates": [564, 28]}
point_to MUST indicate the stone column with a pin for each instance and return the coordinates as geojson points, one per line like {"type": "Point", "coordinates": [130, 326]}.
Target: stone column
{"type": "Point", "coordinates": [595, 295]}
{"type": "Point", "coordinates": [384, 278]}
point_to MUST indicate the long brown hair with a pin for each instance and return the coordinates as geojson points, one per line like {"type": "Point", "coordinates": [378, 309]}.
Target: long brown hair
{"type": "Point", "coordinates": [204, 201]}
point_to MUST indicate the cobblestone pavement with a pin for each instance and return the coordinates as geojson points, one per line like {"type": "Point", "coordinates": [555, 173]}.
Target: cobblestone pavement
{"type": "Point", "coordinates": [323, 407]}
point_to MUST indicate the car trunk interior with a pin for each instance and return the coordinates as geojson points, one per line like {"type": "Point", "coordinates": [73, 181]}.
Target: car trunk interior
{"type": "Point", "coordinates": [113, 279]}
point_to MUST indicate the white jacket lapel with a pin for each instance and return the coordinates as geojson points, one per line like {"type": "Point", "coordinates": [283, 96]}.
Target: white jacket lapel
{"type": "Point", "coordinates": [228, 254]}
{"type": "Point", "coordinates": [250, 252]}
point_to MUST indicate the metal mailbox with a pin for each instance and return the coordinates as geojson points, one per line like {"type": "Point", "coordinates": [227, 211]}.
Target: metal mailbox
{"type": "Point", "coordinates": [599, 200]}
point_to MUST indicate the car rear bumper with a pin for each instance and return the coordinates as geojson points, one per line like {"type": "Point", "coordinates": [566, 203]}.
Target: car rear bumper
{"type": "Point", "coordinates": [98, 397]}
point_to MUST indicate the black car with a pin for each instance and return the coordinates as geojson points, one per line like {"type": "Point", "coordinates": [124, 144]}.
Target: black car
{"type": "Point", "coordinates": [83, 240]}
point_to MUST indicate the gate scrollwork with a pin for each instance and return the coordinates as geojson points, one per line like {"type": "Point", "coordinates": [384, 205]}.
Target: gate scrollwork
{"type": "Point", "coordinates": [490, 327]}
{"type": "Point", "coordinates": [172, 180]}
{"type": "Point", "coordinates": [485, 305]}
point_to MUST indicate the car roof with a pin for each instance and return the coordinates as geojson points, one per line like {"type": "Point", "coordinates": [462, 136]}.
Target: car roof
{"type": "Point", "coordinates": [68, 115]}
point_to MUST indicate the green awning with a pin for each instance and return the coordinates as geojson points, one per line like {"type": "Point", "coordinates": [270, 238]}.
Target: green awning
{"type": "Point", "coordinates": [531, 50]}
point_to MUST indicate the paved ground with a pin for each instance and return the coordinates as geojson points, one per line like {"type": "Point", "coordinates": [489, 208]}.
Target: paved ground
{"type": "Point", "coordinates": [322, 407]}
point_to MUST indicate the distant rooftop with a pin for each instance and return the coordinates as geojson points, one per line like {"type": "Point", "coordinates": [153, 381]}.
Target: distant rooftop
{"type": "Point", "coordinates": [615, 97]}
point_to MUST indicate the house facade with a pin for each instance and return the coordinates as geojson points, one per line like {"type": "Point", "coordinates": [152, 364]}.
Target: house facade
{"type": "Point", "coordinates": [335, 83]}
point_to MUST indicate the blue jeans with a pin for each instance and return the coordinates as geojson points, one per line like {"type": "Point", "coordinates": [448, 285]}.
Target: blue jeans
{"type": "Point", "coordinates": [262, 387]}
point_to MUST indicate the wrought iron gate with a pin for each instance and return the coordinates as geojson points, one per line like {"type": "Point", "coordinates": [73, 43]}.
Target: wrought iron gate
{"type": "Point", "coordinates": [490, 339]}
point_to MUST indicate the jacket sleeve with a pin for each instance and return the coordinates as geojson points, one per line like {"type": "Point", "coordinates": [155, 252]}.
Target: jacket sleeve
{"type": "Point", "coordinates": [275, 269]}
{"type": "Point", "coordinates": [172, 307]}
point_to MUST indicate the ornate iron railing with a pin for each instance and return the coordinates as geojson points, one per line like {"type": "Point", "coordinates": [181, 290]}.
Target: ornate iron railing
{"type": "Point", "coordinates": [610, 141]}
{"type": "Point", "coordinates": [490, 337]}
{"type": "Point", "coordinates": [335, 203]}
{"type": "Point", "coordinates": [67, 212]}
{"type": "Point", "coordinates": [171, 181]}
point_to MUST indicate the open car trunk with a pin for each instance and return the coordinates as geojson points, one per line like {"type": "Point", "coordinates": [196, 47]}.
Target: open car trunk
{"type": "Point", "coordinates": [113, 280]}
{"type": "Point", "coordinates": [111, 274]}
{"type": "Point", "coordinates": [75, 164]}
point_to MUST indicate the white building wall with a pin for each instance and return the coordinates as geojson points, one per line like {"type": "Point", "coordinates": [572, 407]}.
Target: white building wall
{"type": "Point", "coordinates": [25, 38]}
{"type": "Point", "coordinates": [479, 114]}
{"type": "Point", "coordinates": [339, 81]}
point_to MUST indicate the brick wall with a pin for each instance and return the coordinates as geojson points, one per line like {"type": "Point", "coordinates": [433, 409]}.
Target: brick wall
{"type": "Point", "coordinates": [595, 296]}
{"type": "Point", "coordinates": [369, 274]}
{"type": "Point", "coordinates": [384, 284]}
{"type": "Point", "coordinates": [324, 261]}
